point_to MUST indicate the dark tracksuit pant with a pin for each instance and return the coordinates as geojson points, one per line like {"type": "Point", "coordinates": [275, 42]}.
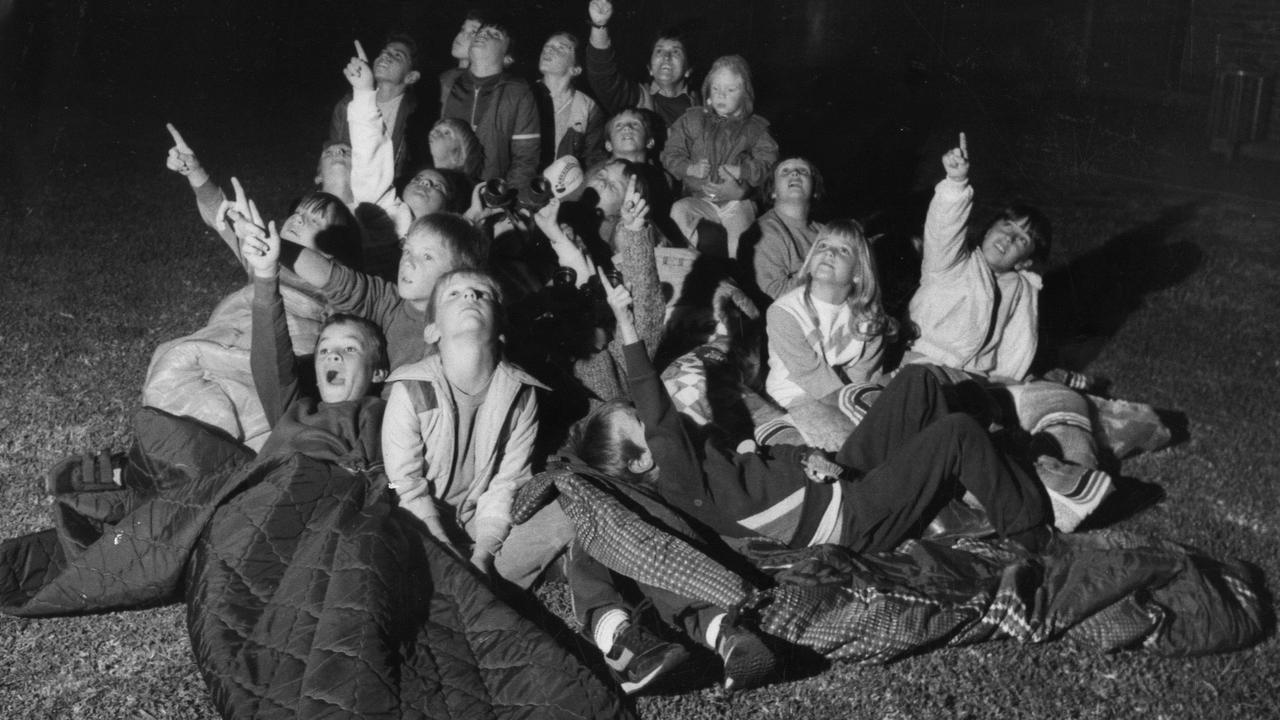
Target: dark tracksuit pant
{"type": "Point", "coordinates": [909, 455]}
{"type": "Point", "coordinates": [907, 459]}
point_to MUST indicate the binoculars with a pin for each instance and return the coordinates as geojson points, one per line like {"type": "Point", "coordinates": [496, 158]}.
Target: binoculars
{"type": "Point", "coordinates": [496, 193]}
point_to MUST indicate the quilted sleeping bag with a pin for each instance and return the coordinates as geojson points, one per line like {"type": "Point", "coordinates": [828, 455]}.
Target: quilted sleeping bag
{"type": "Point", "coordinates": [309, 593]}
{"type": "Point", "coordinates": [206, 376]}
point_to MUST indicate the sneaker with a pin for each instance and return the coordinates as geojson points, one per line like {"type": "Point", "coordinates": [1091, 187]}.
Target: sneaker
{"type": "Point", "coordinates": [639, 658]}
{"type": "Point", "coordinates": [84, 473]}
{"type": "Point", "coordinates": [957, 520]}
{"type": "Point", "coordinates": [748, 661]}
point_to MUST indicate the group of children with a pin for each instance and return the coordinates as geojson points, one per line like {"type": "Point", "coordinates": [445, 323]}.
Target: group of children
{"type": "Point", "coordinates": [521, 323]}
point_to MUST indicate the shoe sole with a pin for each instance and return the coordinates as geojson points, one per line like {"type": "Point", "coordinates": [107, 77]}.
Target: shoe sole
{"type": "Point", "coordinates": [744, 669]}
{"type": "Point", "coordinates": [673, 658]}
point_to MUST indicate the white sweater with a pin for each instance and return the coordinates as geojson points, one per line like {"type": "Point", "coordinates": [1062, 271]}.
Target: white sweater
{"type": "Point", "coordinates": [955, 306]}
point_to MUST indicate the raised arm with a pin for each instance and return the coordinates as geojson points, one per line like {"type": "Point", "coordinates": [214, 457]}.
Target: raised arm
{"type": "Point", "coordinates": [944, 224]}
{"type": "Point", "coordinates": [569, 254]}
{"type": "Point", "coordinates": [635, 259]}
{"type": "Point", "coordinates": [372, 155]}
{"type": "Point", "coordinates": [612, 90]}
{"type": "Point", "coordinates": [271, 358]}
{"type": "Point", "coordinates": [211, 201]}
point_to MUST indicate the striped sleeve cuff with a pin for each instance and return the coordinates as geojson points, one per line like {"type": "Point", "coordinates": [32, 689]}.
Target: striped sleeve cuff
{"type": "Point", "coordinates": [855, 399]}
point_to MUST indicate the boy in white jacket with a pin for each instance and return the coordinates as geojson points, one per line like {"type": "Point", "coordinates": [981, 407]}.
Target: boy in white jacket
{"type": "Point", "coordinates": [458, 436]}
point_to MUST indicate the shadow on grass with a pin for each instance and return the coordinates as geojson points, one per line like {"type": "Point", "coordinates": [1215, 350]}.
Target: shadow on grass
{"type": "Point", "coordinates": [1131, 498]}
{"type": "Point", "coordinates": [1086, 302]}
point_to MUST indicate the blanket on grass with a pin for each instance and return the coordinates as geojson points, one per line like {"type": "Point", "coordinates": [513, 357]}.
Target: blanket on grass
{"type": "Point", "coordinates": [206, 375]}
{"type": "Point", "coordinates": [309, 593]}
{"type": "Point", "coordinates": [1110, 590]}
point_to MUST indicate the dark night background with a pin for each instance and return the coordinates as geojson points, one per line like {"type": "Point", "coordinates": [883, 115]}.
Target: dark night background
{"type": "Point", "coordinates": [874, 91]}
{"type": "Point", "coordinates": [1163, 275]}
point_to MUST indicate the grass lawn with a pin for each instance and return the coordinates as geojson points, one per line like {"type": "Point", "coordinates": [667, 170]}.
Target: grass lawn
{"type": "Point", "coordinates": [105, 257]}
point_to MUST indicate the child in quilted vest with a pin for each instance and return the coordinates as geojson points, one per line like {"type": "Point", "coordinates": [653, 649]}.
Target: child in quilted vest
{"type": "Point", "coordinates": [459, 433]}
{"type": "Point", "coordinates": [721, 151]}
{"type": "Point", "coordinates": [827, 337]}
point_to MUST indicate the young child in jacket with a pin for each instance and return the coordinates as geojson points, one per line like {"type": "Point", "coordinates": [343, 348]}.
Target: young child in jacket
{"type": "Point", "coordinates": [721, 151]}
{"type": "Point", "coordinates": [572, 123]}
{"type": "Point", "coordinates": [372, 161]}
{"type": "Point", "coordinates": [977, 310]}
{"type": "Point", "coordinates": [459, 433]}
{"type": "Point", "coordinates": [341, 421]}
{"type": "Point", "coordinates": [498, 105]}
{"type": "Point", "coordinates": [827, 337]}
{"type": "Point", "coordinates": [394, 73]}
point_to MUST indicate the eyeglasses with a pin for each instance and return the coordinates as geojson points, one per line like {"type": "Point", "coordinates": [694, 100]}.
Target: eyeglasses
{"type": "Point", "coordinates": [799, 170]}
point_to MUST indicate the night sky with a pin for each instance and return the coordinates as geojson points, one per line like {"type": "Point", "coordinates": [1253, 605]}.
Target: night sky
{"type": "Point", "coordinates": [859, 86]}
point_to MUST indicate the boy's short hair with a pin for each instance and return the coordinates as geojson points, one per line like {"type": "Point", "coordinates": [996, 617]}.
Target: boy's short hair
{"type": "Point", "coordinates": [645, 121]}
{"type": "Point", "coordinates": [472, 160]}
{"type": "Point", "coordinates": [341, 238]}
{"type": "Point", "coordinates": [597, 443]}
{"type": "Point", "coordinates": [676, 34]}
{"type": "Point", "coordinates": [738, 66]}
{"type": "Point", "coordinates": [375, 341]}
{"type": "Point", "coordinates": [461, 238]}
{"type": "Point", "coordinates": [500, 313]}
{"type": "Point", "coordinates": [579, 54]}
{"type": "Point", "coordinates": [404, 38]}
{"type": "Point", "coordinates": [498, 21]}
{"type": "Point", "coordinates": [1038, 228]}
{"type": "Point", "coordinates": [819, 186]}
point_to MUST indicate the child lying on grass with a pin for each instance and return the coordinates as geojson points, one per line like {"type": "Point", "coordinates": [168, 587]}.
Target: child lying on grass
{"type": "Point", "coordinates": [349, 361]}
{"type": "Point", "coordinates": [908, 458]}
{"type": "Point", "coordinates": [977, 310]}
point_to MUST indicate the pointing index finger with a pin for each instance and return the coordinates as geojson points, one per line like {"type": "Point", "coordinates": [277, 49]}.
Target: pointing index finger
{"type": "Point", "coordinates": [242, 204]}
{"type": "Point", "coordinates": [964, 145]}
{"type": "Point", "coordinates": [360, 52]}
{"type": "Point", "coordinates": [177, 139]}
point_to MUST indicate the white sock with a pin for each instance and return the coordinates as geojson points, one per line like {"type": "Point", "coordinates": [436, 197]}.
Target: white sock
{"type": "Point", "coordinates": [712, 635]}
{"type": "Point", "coordinates": [608, 626]}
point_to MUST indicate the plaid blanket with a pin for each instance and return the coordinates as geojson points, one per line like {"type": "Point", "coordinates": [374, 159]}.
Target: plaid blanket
{"type": "Point", "coordinates": [1109, 589]}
